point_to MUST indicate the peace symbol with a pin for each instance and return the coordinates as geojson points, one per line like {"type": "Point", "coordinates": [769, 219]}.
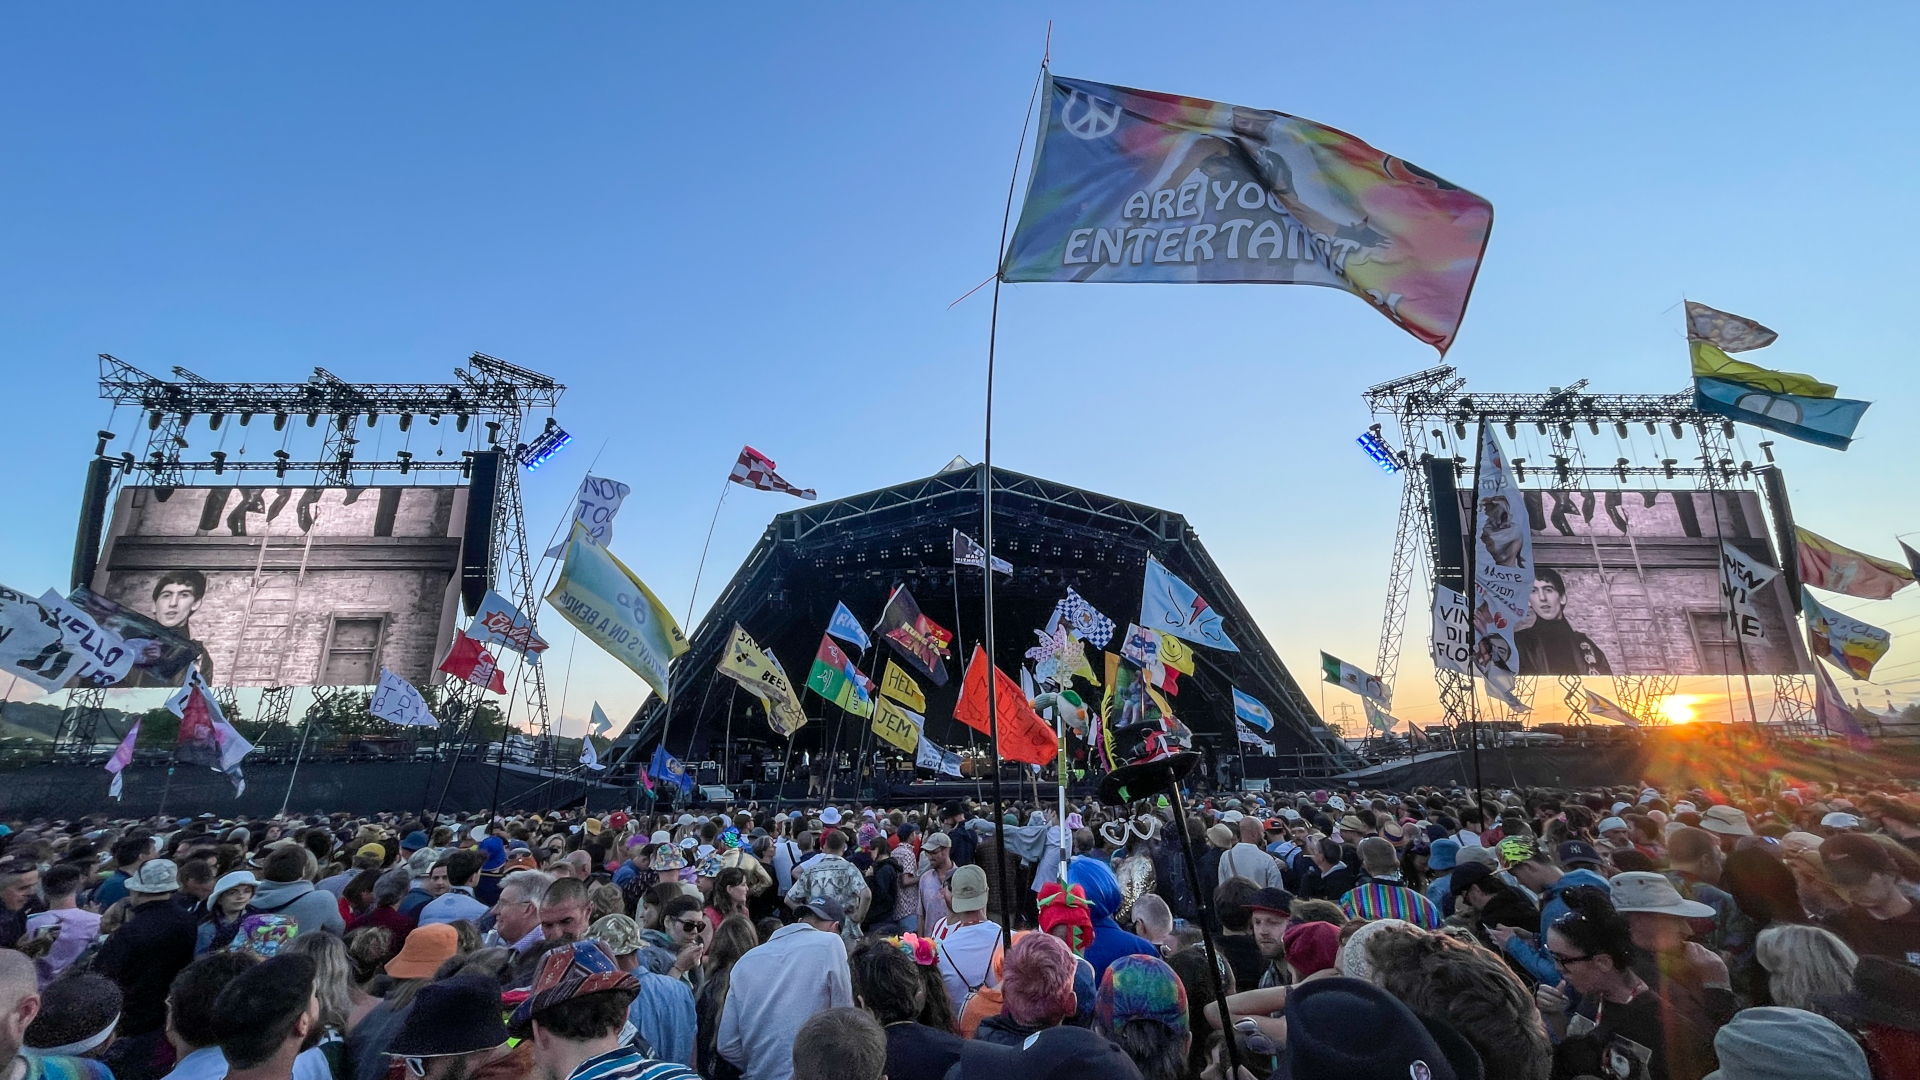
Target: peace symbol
{"type": "Point", "coordinates": [1094, 121]}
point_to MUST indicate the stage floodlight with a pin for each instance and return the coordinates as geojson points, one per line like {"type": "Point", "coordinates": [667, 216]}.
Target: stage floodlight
{"type": "Point", "coordinates": [493, 433]}
{"type": "Point", "coordinates": [544, 446]}
{"type": "Point", "coordinates": [343, 421]}
{"type": "Point", "coordinates": [1767, 449]}
{"type": "Point", "coordinates": [1540, 426]}
{"type": "Point", "coordinates": [1566, 431]}
{"type": "Point", "coordinates": [219, 462]}
{"type": "Point", "coordinates": [280, 463]}
{"type": "Point", "coordinates": [1620, 428]}
{"type": "Point", "coordinates": [1620, 468]}
{"type": "Point", "coordinates": [100, 447]}
{"type": "Point", "coordinates": [1726, 428]}
{"type": "Point", "coordinates": [1746, 469]}
{"type": "Point", "coordinates": [213, 420]}
{"type": "Point", "coordinates": [1377, 449]}
{"type": "Point", "coordinates": [279, 421]}
{"type": "Point", "coordinates": [406, 421]}
{"type": "Point", "coordinates": [186, 417]}
{"type": "Point", "coordinates": [466, 464]}
{"type": "Point", "coordinates": [1560, 471]}
{"type": "Point", "coordinates": [1667, 464]}
{"type": "Point", "coordinates": [433, 418]}
{"type": "Point", "coordinates": [1460, 430]}
{"type": "Point", "coordinates": [313, 418]}
{"type": "Point", "coordinates": [153, 420]}
{"type": "Point", "coordinates": [126, 462]}
{"type": "Point", "coordinates": [1513, 429]}
{"type": "Point", "coordinates": [1520, 469]}
{"type": "Point", "coordinates": [246, 417]}
{"type": "Point", "coordinates": [1678, 431]}
{"type": "Point", "coordinates": [373, 417]}
{"type": "Point", "coordinates": [406, 461]}
{"type": "Point", "coordinates": [1593, 425]}
{"type": "Point", "coordinates": [460, 422]}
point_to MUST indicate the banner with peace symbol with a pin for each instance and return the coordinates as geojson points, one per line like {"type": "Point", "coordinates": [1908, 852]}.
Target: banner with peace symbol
{"type": "Point", "coordinates": [1134, 186]}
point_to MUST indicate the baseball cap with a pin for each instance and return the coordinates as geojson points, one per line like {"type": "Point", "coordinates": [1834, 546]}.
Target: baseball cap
{"type": "Point", "coordinates": [827, 908]}
{"type": "Point", "coordinates": [1516, 849]}
{"type": "Point", "coordinates": [571, 971]}
{"type": "Point", "coordinates": [936, 840]}
{"type": "Point", "coordinates": [413, 841]}
{"type": "Point", "coordinates": [1277, 901]}
{"type": "Point", "coordinates": [1609, 824]}
{"type": "Point", "coordinates": [619, 933]}
{"type": "Point", "coordinates": [374, 850]}
{"type": "Point", "coordinates": [1849, 858]}
{"type": "Point", "coordinates": [969, 888]}
{"type": "Point", "coordinates": [1578, 853]}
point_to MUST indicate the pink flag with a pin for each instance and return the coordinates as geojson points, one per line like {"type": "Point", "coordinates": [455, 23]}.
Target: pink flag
{"type": "Point", "coordinates": [122, 757]}
{"type": "Point", "coordinates": [755, 470]}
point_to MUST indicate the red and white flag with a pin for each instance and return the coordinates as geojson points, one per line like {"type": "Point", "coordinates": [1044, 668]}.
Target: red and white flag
{"type": "Point", "coordinates": [471, 661]}
{"type": "Point", "coordinates": [755, 470]}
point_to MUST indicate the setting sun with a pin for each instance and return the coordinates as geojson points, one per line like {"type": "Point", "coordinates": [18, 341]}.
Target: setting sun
{"type": "Point", "coordinates": [1678, 708]}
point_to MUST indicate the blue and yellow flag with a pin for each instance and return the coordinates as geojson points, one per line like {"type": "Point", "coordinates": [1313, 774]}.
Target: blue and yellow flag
{"type": "Point", "coordinates": [1792, 404]}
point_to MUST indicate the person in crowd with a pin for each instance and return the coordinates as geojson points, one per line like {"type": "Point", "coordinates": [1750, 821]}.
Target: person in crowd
{"type": "Point", "coordinates": [840, 1044]}
{"type": "Point", "coordinates": [429, 881]}
{"type": "Point", "coordinates": [887, 983]}
{"type": "Point", "coordinates": [565, 911]}
{"type": "Point", "coordinates": [729, 897]}
{"type": "Point", "coordinates": [662, 1012]}
{"type": "Point", "coordinates": [145, 953]}
{"type": "Point", "coordinates": [220, 917]}
{"type": "Point", "coordinates": [1238, 947]}
{"type": "Point", "coordinates": [370, 856]}
{"type": "Point", "coordinates": [1382, 894]}
{"type": "Point", "coordinates": [1880, 919]}
{"type": "Point", "coordinates": [1540, 874]}
{"type": "Point", "coordinates": [19, 898]}
{"type": "Point", "coordinates": [1152, 920]}
{"type": "Point", "coordinates": [1036, 985]}
{"type": "Point", "coordinates": [458, 902]}
{"type": "Point", "coordinates": [286, 891]}
{"type": "Point", "coordinates": [516, 914]}
{"type": "Point", "coordinates": [574, 1015]}
{"type": "Point", "coordinates": [1469, 988]}
{"type": "Point", "coordinates": [733, 938]}
{"type": "Point", "coordinates": [20, 1004]}
{"type": "Point", "coordinates": [389, 889]}
{"type": "Point", "coordinates": [1247, 859]}
{"type": "Point", "coordinates": [831, 876]}
{"type": "Point", "coordinates": [1342, 1027]}
{"type": "Point", "coordinates": [936, 869]}
{"type": "Point", "coordinates": [455, 1032]}
{"type": "Point", "coordinates": [192, 1027]}
{"type": "Point", "coordinates": [689, 936]}
{"type": "Point", "coordinates": [968, 943]}
{"type": "Point", "coordinates": [1695, 860]}
{"type": "Point", "coordinates": [775, 987]}
{"type": "Point", "coordinates": [78, 1015]}
{"type": "Point", "coordinates": [1110, 942]}
{"type": "Point", "coordinates": [1769, 1043]}
{"type": "Point", "coordinates": [1661, 1031]}
{"type": "Point", "coordinates": [426, 949]}
{"type": "Point", "coordinates": [265, 1017]}
{"type": "Point", "coordinates": [77, 927]}
{"type": "Point", "coordinates": [1142, 1007]}
{"type": "Point", "coordinates": [1805, 966]}
{"type": "Point", "coordinates": [1329, 878]}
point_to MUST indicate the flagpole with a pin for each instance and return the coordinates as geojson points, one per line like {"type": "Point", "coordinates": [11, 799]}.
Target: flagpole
{"type": "Point", "coordinates": [1473, 597]}
{"type": "Point", "coordinates": [726, 486]}
{"type": "Point", "coordinates": [305, 730]}
{"type": "Point", "coordinates": [960, 646]}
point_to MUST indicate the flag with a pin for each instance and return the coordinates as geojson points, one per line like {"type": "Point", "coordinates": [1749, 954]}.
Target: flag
{"type": "Point", "coordinates": [104, 658]}
{"type": "Point", "coordinates": [1843, 639]}
{"type": "Point", "coordinates": [760, 674]}
{"type": "Point", "coordinates": [1826, 565]}
{"type": "Point", "coordinates": [1604, 709]}
{"type": "Point", "coordinates": [755, 470]}
{"type": "Point", "coordinates": [1130, 701]}
{"type": "Point", "coordinates": [397, 702]}
{"type": "Point", "coordinates": [898, 726]}
{"type": "Point", "coordinates": [1251, 710]}
{"type": "Point", "coordinates": [1168, 605]}
{"type": "Point", "coordinates": [205, 736]}
{"type": "Point", "coordinates": [1379, 719]}
{"type": "Point", "coordinates": [122, 757]}
{"type": "Point", "coordinates": [616, 611]}
{"type": "Point", "coordinates": [1176, 654]}
{"type": "Point", "coordinates": [1416, 738]}
{"type": "Point", "coordinates": [847, 628]}
{"type": "Point", "coordinates": [470, 660]}
{"type": "Point", "coordinates": [1741, 576]}
{"type": "Point", "coordinates": [601, 723]}
{"type": "Point", "coordinates": [30, 643]}
{"type": "Point", "coordinates": [1023, 735]}
{"type": "Point", "coordinates": [665, 767]}
{"type": "Point", "coordinates": [968, 552]}
{"type": "Point", "coordinates": [588, 756]}
{"type": "Point", "coordinates": [1913, 557]}
{"type": "Point", "coordinates": [1083, 618]}
{"type": "Point", "coordinates": [1452, 630]}
{"type": "Point", "coordinates": [920, 641]}
{"type": "Point", "coordinates": [645, 778]}
{"type": "Point", "coordinates": [1340, 673]}
{"type": "Point", "coordinates": [498, 622]}
{"type": "Point", "coordinates": [1734, 333]}
{"type": "Point", "coordinates": [1502, 569]}
{"type": "Point", "coordinates": [593, 509]}
{"type": "Point", "coordinates": [927, 755]}
{"type": "Point", "coordinates": [1792, 404]}
{"type": "Point", "coordinates": [1250, 737]}
{"type": "Point", "coordinates": [1134, 186]}
{"type": "Point", "coordinates": [1831, 710]}
{"type": "Point", "coordinates": [899, 686]}
{"type": "Point", "coordinates": [1710, 362]}
{"type": "Point", "coordinates": [834, 677]}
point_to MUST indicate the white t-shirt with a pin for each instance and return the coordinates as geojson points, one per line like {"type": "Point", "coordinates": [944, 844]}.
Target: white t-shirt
{"type": "Point", "coordinates": [966, 958]}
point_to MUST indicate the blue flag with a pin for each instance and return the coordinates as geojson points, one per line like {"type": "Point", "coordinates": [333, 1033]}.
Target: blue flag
{"type": "Point", "coordinates": [670, 769]}
{"type": "Point", "coordinates": [848, 629]}
{"type": "Point", "coordinates": [1252, 710]}
{"type": "Point", "coordinates": [1170, 606]}
{"type": "Point", "coordinates": [1825, 421]}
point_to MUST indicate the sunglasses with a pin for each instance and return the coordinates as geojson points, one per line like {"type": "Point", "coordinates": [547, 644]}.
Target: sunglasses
{"type": "Point", "coordinates": [692, 926]}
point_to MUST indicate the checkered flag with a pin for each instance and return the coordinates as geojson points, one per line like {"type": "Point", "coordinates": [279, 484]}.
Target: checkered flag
{"type": "Point", "coordinates": [755, 470]}
{"type": "Point", "coordinates": [1083, 619]}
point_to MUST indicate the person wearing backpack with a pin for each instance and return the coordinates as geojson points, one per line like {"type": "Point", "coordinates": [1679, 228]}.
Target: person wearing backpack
{"type": "Point", "coordinates": [968, 942]}
{"type": "Point", "coordinates": [287, 891]}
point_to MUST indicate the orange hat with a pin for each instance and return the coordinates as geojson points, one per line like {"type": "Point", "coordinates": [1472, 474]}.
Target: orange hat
{"type": "Point", "coordinates": [426, 949]}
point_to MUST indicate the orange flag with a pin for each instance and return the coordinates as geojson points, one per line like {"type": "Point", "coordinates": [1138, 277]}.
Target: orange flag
{"type": "Point", "coordinates": [1023, 735]}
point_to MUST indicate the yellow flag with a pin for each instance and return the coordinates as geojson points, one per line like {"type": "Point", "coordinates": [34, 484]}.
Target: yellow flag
{"type": "Point", "coordinates": [1175, 653]}
{"type": "Point", "coordinates": [897, 725]}
{"type": "Point", "coordinates": [613, 609]}
{"type": "Point", "coordinates": [756, 669]}
{"type": "Point", "coordinates": [1711, 363]}
{"type": "Point", "coordinates": [898, 685]}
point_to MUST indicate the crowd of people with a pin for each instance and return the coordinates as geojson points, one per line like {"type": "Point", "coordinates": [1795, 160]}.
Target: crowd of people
{"type": "Point", "coordinates": [1629, 934]}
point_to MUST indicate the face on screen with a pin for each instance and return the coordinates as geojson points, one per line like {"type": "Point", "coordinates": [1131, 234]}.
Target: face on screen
{"type": "Point", "coordinates": [1547, 600]}
{"type": "Point", "coordinates": [174, 604]}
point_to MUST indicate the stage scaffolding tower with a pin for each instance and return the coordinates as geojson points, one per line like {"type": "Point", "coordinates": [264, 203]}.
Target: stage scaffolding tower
{"type": "Point", "coordinates": [1421, 407]}
{"type": "Point", "coordinates": [488, 404]}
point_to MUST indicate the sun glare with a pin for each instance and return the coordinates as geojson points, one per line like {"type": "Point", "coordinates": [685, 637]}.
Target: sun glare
{"type": "Point", "coordinates": [1678, 708]}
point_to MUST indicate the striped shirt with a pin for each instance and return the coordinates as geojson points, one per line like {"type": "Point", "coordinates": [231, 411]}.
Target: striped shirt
{"type": "Point", "coordinates": [1389, 898]}
{"type": "Point", "coordinates": [626, 1063]}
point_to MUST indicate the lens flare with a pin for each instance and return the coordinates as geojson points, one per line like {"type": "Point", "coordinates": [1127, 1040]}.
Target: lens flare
{"type": "Point", "coordinates": [1678, 708]}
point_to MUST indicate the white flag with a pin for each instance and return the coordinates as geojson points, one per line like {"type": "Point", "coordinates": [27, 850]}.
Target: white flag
{"type": "Point", "coordinates": [587, 755]}
{"type": "Point", "coordinates": [601, 724]}
{"type": "Point", "coordinates": [927, 755]}
{"type": "Point", "coordinates": [397, 702]}
{"type": "Point", "coordinates": [105, 659]}
{"type": "Point", "coordinates": [1600, 707]}
{"type": "Point", "coordinates": [1502, 569]}
{"type": "Point", "coordinates": [1740, 577]}
{"type": "Point", "coordinates": [598, 501]}
{"type": "Point", "coordinates": [1452, 630]}
{"type": "Point", "coordinates": [30, 643]}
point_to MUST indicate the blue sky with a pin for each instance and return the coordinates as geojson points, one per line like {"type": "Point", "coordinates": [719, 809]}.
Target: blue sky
{"type": "Point", "coordinates": [747, 227]}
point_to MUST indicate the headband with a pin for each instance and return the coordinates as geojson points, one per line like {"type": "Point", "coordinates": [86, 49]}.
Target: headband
{"type": "Point", "coordinates": [75, 1049]}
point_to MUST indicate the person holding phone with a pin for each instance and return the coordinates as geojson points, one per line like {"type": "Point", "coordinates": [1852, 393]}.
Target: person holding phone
{"type": "Point", "coordinates": [685, 921]}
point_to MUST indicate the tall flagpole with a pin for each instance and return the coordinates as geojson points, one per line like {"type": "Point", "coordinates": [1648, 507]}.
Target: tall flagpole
{"type": "Point", "coordinates": [986, 529]}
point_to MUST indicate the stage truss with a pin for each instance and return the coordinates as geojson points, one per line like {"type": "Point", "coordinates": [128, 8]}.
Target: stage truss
{"type": "Point", "coordinates": [1432, 416]}
{"type": "Point", "coordinates": [487, 407]}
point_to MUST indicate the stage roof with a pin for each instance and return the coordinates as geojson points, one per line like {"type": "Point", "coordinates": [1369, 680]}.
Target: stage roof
{"type": "Point", "coordinates": [856, 549]}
